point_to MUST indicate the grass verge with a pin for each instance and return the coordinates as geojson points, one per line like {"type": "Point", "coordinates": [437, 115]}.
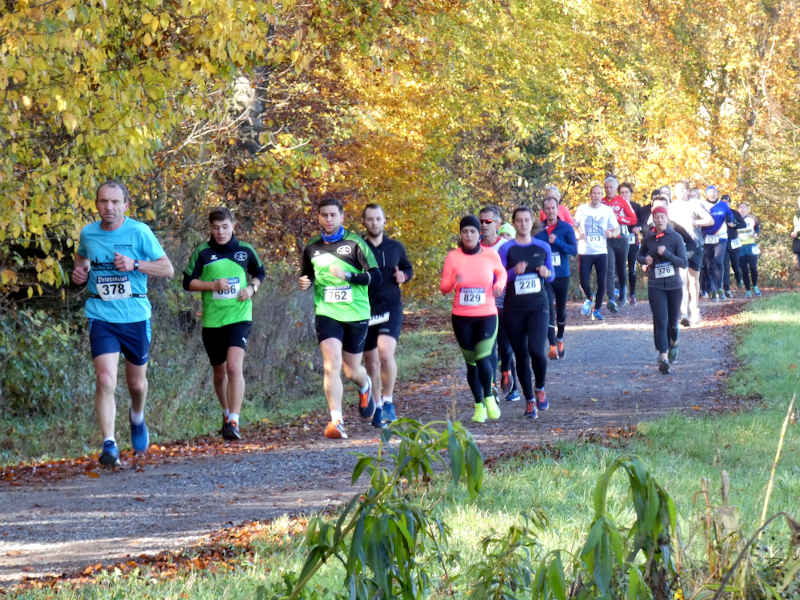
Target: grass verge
{"type": "Point", "coordinates": [680, 452]}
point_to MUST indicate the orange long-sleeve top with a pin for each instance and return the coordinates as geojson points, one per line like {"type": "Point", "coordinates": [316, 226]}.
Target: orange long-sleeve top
{"type": "Point", "coordinates": [473, 277]}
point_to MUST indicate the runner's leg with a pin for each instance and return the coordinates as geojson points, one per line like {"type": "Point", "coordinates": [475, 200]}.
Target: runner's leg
{"type": "Point", "coordinates": [331, 349]}
{"type": "Point", "coordinates": [387, 346]}
{"type": "Point", "coordinates": [600, 264]}
{"type": "Point", "coordinates": [658, 306]}
{"type": "Point", "coordinates": [234, 368]}
{"type": "Point", "coordinates": [105, 368]}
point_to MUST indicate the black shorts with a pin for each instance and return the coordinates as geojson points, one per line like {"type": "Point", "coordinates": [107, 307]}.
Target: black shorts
{"type": "Point", "coordinates": [695, 261]}
{"type": "Point", "coordinates": [352, 334]}
{"type": "Point", "coordinates": [391, 322]}
{"type": "Point", "coordinates": [217, 340]}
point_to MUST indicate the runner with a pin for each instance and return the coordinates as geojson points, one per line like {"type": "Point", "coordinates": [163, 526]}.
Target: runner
{"type": "Point", "coordinates": [617, 246]}
{"type": "Point", "coordinates": [218, 268]}
{"type": "Point", "coordinates": [642, 215]}
{"type": "Point", "coordinates": [749, 250]}
{"type": "Point", "coordinates": [663, 253]}
{"type": "Point", "coordinates": [477, 276]}
{"type": "Point", "coordinates": [386, 304]}
{"type": "Point", "coordinates": [688, 212]}
{"type": "Point", "coordinates": [341, 266]}
{"type": "Point", "coordinates": [795, 234]}
{"type": "Point", "coordinates": [115, 256]}
{"type": "Point", "coordinates": [507, 231]}
{"type": "Point", "coordinates": [715, 238]}
{"type": "Point", "coordinates": [731, 261]}
{"type": "Point", "coordinates": [561, 237]}
{"type": "Point", "coordinates": [563, 211]}
{"type": "Point", "coordinates": [595, 223]}
{"type": "Point", "coordinates": [490, 219]}
{"type": "Point", "coordinates": [529, 264]}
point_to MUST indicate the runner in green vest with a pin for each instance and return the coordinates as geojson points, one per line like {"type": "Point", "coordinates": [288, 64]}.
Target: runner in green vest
{"type": "Point", "coordinates": [219, 268]}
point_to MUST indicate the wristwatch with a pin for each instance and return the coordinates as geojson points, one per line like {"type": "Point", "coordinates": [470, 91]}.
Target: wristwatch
{"type": "Point", "coordinates": [135, 265]}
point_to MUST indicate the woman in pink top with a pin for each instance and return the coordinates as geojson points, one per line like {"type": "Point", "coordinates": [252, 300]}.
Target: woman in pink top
{"type": "Point", "coordinates": [477, 276]}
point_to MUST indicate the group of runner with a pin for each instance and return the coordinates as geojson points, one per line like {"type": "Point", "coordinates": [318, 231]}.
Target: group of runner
{"type": "Point", "coordinates": [510, 283]}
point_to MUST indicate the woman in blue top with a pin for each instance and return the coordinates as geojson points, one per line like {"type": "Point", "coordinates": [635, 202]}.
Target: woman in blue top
{"type": "Point", "coordinates": [526, 310]}
{"type": "Point", "coordinates": [561, 237]}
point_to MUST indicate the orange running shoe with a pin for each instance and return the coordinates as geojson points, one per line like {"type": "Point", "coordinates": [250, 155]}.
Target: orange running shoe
{"type": "Point", "coordinates": [553, 354]}
{"type": "Point", "coordinates": [335, 431]}
{"type": "Point", "coordinates": [505, 381]}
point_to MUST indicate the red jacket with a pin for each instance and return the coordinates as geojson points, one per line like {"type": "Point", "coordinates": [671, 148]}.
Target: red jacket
{"type": "Point", "coordinates": [622, 210]}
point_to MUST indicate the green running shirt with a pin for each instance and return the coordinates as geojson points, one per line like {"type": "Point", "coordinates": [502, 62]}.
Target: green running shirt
{"type": "Point", "coordinates": [336, 298]}
{"type": "Point", "coordinates": [233, 262]}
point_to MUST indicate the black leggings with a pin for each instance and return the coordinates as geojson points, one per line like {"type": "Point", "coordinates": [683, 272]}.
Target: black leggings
{"type": "Point", "coordinates": [527, 330]}
{"type": "Point", "coordinates": [732, 261]}
{"type": "Point", "coordinates": [666, 308]}
{"type": "Point", "coordinates": [600, 264]}
{"type": "Point", "coordinates": [749, 265]}
{"type": "Point", "coordinates": [476, 337]}
{"type": "Point", "coordinates": [557, 296]}
{"type": "Point", "coordinates": [503, 350]}
{"type": "Point", "coordinates": [617, 264]}
{"type": "Point", "coordinates": [633, 252]}
{"type": "Point", "coordinates": [713, 258]}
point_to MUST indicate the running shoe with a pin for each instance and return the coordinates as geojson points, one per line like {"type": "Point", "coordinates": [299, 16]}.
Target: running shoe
{"type": "Point", "coordinates": [230, 431]}
{"type": "Point", "coordinates": [512, 396]}
{"type": "Point", "coordinates": [479, 416]}
{"type": "Point", "coordinates": [616, 292]}
{"type": "Point", "coordinates": [728, 294]}
{"type": "Point", "coordinates": [714, 297]}
{"type": "Point", "coordinates": [530, 410]}
{"type": "Point", "coordinates": [366, 403]}
{"type": "Point", "coordinates": [388, 412]}
{"type": "Point", "coordinates": [492, 410]}
{"type": "Point", "coordinates": [377, 419]}
{"type": "Point", "coordinates": [672, 355]}
{"type": "Point", "coordinates": [109, 457]}
{"type": "Point", "coordinates": [685, 321]}
{"type": "Point", "coordinates": [633, 300]}
{"type": "Point", "coordinates": [748, 294]}
{"type": "Point", "coordinates": [541, 400]}
{"type": "Point", "coordinates": [505, 381]}
{"type": "Point", "coordinates": [612, 306]}
{"type": "Point", "coordinates": [663, 366]}
{"type": "Point", "coordinates": [335, 431]}
{"type": "Point", "coordinates": [553, 354]}
{"type": "Point", "coordinates": [756, 291]}
{"type": "Point", "coordinates": [561, 351]}
{"type": "Point", "coordinates": [704, 295]}
{"type": "Point", "coordinates": [596, 316]}
{"type": "Point", "coordinates": [586, 308]}
{"type": "Point", "coordinates": [721, 295]}
{"type": "Point", "coordinates": [140, 437]}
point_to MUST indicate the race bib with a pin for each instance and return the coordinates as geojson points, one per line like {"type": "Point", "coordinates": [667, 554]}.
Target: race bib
{"type": "Point", "coordinates": [339, 294]}
{"type": "Point", "coordinates": [472, 296]}
{"type": "Point", "coordinates": [737, 243]}
{"type": "Point", "coordinates": [662, 270]}
{"type": "Point", "coordinates": [378, 319]}
{"type": "Point", "coordinates": [113, 287]}
{"type": "Point", "coordinates": [623, 230]}
{"type": "Point", "coordinates": [556, 259]}
{"type": "Point", "coordinates": [711, 239]}
{"type": "Point", "coordinates": [527, 284]}
{"type": "Point", "coordinates": [231, 292]}
{"type": "Point", "coordinates": [594, 239]}
{"type": "Point", "coordinates": [756, 250]}
{"type": "Point", "coordinates": [632, 239]}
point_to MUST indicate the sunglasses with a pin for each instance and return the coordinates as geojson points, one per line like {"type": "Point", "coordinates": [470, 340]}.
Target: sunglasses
{"type": "Point", "coordinates": [487, 221]}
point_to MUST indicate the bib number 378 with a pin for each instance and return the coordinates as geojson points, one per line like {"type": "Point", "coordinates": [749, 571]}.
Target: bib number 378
{"type": "Point", "coordinates": [113, 287]}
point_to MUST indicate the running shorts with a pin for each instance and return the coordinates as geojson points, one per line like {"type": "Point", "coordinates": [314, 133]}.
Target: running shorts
{"type": "Point", "coordinates": [352, 334]}
{"type": "Point", "coordinates": [217, 340]}
{"type": "Point", "coordinates": [389, 323]}
{"type": "Point", "coordinates": [132, 339]}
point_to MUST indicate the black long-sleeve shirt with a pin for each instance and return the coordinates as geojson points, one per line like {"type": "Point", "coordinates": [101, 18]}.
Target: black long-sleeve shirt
{"type": "Point", "coordinates": [384, 295]}
{"type": "Point", "coordinates": [664, 272]}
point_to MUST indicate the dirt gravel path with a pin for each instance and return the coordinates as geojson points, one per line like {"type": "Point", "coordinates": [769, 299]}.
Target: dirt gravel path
{"type": "Point", "coordinates": [607, 381]}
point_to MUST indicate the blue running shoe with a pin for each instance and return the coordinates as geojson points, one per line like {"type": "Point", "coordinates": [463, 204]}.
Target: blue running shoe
{"type": "Point", "coordinates": [377, 419]}
{"type": "Point", "coordinates": [530, 410]}
{"type": "Point", "coordinates": [366, 403]}
{"type": "Point", "coordinates": [612, 306]}
{"type": "Point", "coordinates": [748, 294]}
{"type": "Point", "coordinates": [756, 291]}
{"type": "Point", "coordinates": [586, 308]}
{"type": "Point", "coordinates": [512, 396]}
{"type": "Point", "coordinates": [109, 457]}
{"type": "Point", "coordinates": [596, 316]}
{"type": "Point", "coordinates": [541, 400]}
{"type": "Point", "coordinates": [140, 437]}
{"type": "Point", "coordinates": [388, 412]}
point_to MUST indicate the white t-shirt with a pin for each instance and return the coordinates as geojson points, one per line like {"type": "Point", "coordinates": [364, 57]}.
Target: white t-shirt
{"type": "Point", "coordinates": [684, 213]}
{"type": "Point", "coordinates": [593, 222]}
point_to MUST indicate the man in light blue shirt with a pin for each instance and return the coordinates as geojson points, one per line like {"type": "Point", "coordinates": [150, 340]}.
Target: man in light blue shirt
{"type": "Point", "coordinates": [115, 256]}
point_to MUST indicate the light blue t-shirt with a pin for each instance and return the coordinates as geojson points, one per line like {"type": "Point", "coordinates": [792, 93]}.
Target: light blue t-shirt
{"type": "Point", "coordinates": [123, 296]}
